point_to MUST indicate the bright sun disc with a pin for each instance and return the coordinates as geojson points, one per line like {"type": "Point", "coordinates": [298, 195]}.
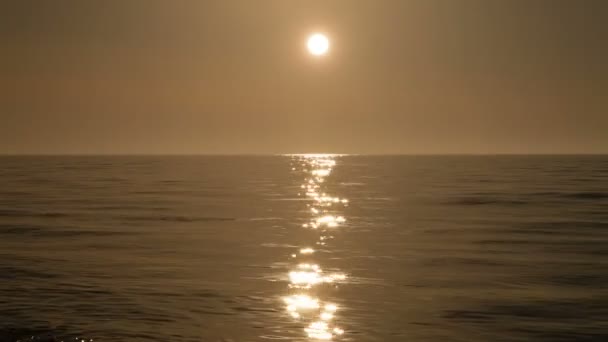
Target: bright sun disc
{"type": "Point", "coordinates": [318, 44]}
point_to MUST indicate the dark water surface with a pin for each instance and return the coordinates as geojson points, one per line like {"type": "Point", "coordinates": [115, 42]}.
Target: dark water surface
{"type": "Point", "coordinates": [347, 248]}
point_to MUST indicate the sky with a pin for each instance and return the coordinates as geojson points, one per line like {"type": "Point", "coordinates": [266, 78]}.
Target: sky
{"type": "Point", "coordinates": [234, 77]}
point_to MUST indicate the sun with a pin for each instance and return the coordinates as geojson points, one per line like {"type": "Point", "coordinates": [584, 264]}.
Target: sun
{"type": "Point", "coordinates": [318, 44]}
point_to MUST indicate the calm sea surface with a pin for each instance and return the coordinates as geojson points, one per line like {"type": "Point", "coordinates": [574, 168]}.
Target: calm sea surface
{"type": "Point", "coordinates": [304, 248]}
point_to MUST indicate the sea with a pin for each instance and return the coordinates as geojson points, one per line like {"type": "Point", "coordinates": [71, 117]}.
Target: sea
{"type": "Point", "coordinates": [313, 247]}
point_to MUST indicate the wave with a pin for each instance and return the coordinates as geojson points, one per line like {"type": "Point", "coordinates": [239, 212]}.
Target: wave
{"type": "Point", "coordinates": [526, 198]}
{"type": "Point", "coordinates": [12, 334]}
{"type": "Point", "coordinates": [30, 213]}
{"type": "Point", "coordinates": [42, 231]}
{"type": "Point", "coordinates": [177, 218]}
{"type": "Point", "coordinates": [471, 200]}
{"type": "Point", "coordinates": [12, 273]}
{"type": "Point", "coordinates": [587, 195]}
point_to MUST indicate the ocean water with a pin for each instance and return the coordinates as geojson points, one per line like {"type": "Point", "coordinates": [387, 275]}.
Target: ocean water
{"type": "Point", "coordinates": [304, 248]}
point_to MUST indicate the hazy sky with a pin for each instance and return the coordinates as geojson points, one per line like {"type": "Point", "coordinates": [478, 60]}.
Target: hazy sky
{"type": "Point", "coordinates": [228, 76]}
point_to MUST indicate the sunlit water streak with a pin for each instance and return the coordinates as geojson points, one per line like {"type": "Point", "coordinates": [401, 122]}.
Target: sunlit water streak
{"type": "Point", "coordinates": [305, 277]}
{"type": "Point", "coordinates": [191, 249]}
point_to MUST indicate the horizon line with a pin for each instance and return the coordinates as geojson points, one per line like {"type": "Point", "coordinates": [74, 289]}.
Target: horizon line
{"type": "Point", "coordinates": [296, 154]}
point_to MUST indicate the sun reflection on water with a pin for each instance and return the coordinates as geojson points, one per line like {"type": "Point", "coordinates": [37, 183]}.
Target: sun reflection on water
{"type": "Point", "coordinates": [304, 303]}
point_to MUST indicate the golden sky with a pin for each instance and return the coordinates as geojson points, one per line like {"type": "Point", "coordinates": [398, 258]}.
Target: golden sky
{"type": "Point", "coordinates": [233, 76]}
